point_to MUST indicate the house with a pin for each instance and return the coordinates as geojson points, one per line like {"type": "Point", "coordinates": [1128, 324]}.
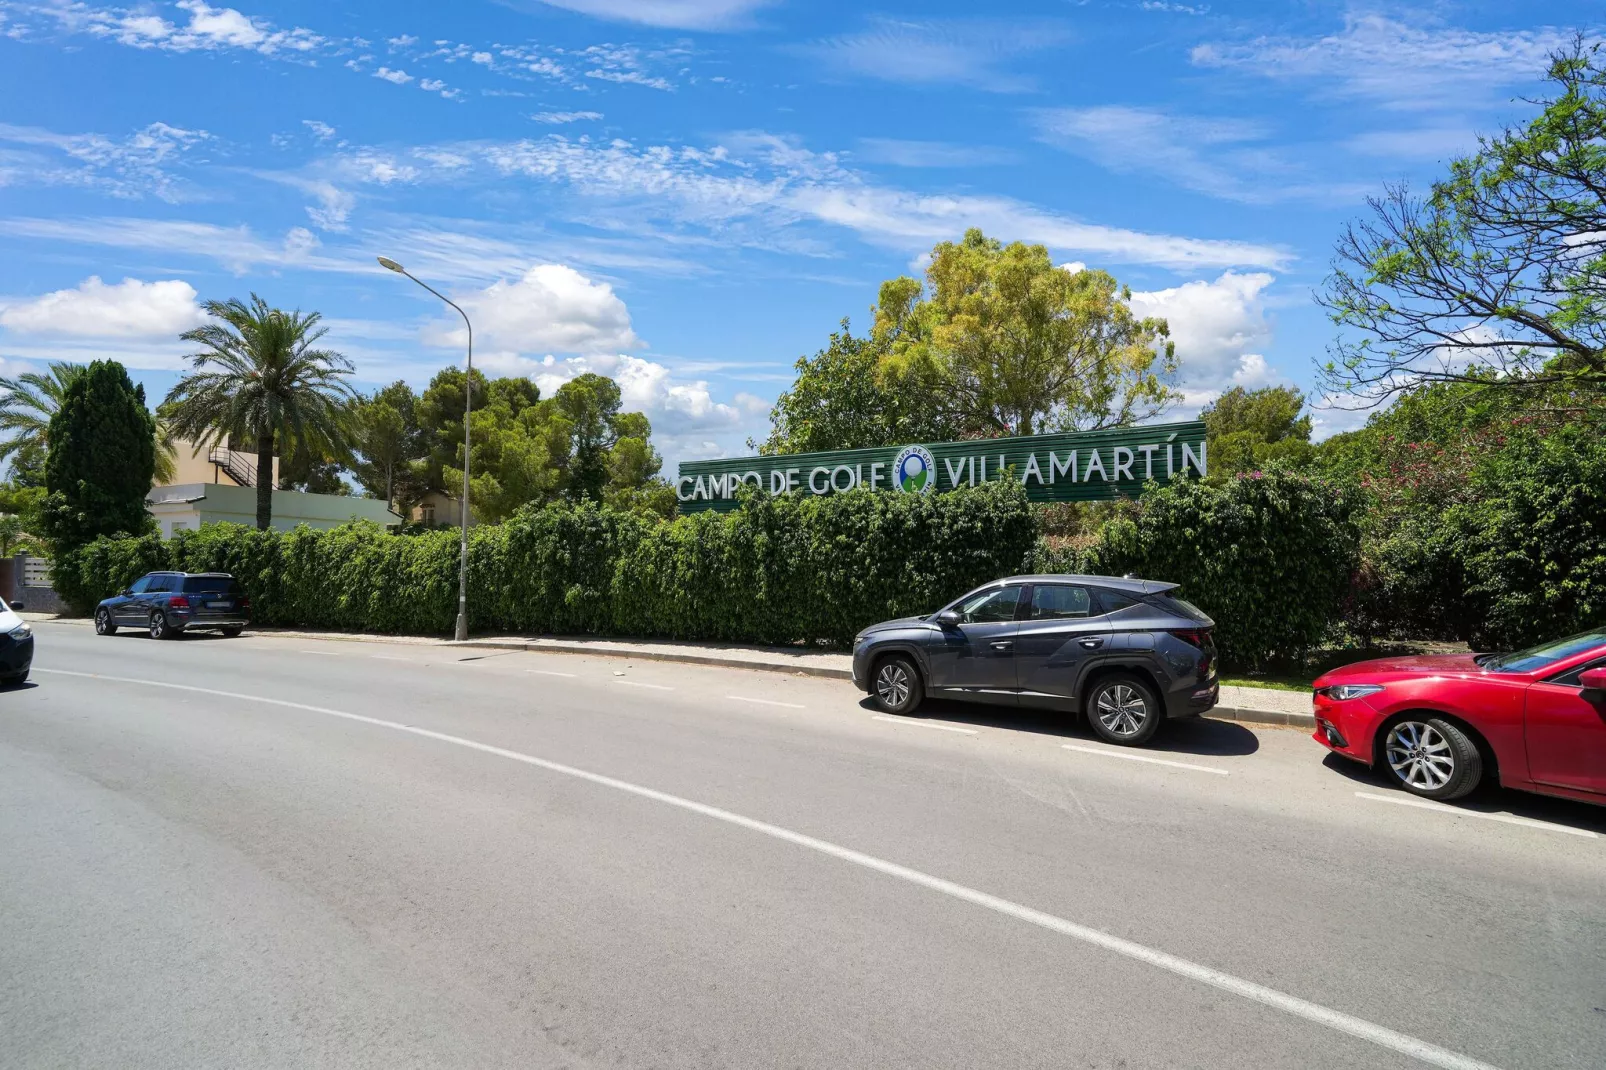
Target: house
{"type": "Point", "coordinates": [438, 509]}
{"type": "Point", "coordinates": [218, 485]}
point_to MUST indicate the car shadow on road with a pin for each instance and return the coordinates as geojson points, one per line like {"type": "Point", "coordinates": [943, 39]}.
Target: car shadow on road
{"type": "Point", "coordinates": [1487, 799]}
{"type": "Point", "coordinates": [1193, 735]}
{"type": "Point", "coordinates": [26, 685]}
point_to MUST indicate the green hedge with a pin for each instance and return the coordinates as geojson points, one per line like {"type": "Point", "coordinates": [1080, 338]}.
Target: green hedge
{"type": "Point", "coordinates": [1270, 556]}
{"type": "Point", "coordinates": [775, 570]}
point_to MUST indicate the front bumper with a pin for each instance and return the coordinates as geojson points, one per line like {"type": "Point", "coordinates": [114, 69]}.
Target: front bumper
{"type": "Point", "coordinates": [16, 655]}
{"type": "Point", "coordinates": [1346, 727]}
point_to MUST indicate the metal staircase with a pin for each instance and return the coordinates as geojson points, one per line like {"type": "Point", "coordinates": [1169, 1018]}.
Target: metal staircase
{"type": "Point", "coordinates": [240, 467]}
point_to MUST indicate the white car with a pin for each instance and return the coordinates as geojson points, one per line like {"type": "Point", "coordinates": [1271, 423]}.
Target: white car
{"type": "Point", "coordinates": [16, 645]}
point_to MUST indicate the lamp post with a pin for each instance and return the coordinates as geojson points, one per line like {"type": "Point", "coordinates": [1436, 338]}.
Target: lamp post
{"type": "Point", "coordinates": [461, 632]}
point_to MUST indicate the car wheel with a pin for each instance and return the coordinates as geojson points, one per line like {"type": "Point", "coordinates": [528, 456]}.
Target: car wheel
{"type": "Point", "coordinates": [897, 685]}
{"type": "Point", "coordinates": [103, 622]}
{"type": "Point", "coordinates": [1123, 709]}
{"type": "Point", "coordinates": [160, 629]}
{"type": "Point", "coordinates": [15, 681]}
{"type": "Point", "coordinates": [231, 633]}
{"type": "Point", "coordinates": [1432, 758]}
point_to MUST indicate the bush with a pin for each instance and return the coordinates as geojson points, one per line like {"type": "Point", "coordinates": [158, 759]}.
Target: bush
{"type": "Point", "coordinates": [774, 570]}
{"type": "Point", "coordinates": [1268, 556]}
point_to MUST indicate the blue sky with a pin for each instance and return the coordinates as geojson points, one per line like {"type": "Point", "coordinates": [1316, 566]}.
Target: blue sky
{"type": "Point", "coordinates": [689, 194]}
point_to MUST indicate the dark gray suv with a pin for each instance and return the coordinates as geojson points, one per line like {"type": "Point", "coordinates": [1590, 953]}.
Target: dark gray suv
{"type": "Point", "coordinates": [1127, 652]}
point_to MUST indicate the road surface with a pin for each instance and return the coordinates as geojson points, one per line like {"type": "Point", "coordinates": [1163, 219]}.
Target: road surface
{"type": "Point", "coordinates": [279, 852]}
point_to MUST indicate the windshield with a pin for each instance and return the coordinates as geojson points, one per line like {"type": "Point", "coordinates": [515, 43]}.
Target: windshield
{"type": "Point", "coordinates": [210, 585]}
{"type": "Point", "coordinates": [1537, 657]}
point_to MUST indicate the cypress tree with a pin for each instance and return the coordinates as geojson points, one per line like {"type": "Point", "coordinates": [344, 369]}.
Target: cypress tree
{"type": "Point", "coordinates": [102, 455]}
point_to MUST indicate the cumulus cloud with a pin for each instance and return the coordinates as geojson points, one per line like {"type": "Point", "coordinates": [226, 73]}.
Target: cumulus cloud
{"type": "Point", "coordinates": [393, 77]}
{"type": "Point", "coordinates": [93, 309]}
{"type": "Point", "coordinates": [1219, 327]}
{"type": "Point", "coordinates": [552, 308]}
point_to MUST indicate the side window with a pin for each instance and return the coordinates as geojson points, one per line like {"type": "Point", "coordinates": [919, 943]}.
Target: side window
{"type": "Point", "coordinates": [159, 583]}
{"type": "Point", "coordinates": [1060, 603]}
{"type": "Point", "coordinates": [1114, 603]}
{"type": "Point", "coordinates": [139, 586]}
{"type": "Point", "coordinates": [991, 607]}
{"type": "Point", "coordinates": [1570, 677]}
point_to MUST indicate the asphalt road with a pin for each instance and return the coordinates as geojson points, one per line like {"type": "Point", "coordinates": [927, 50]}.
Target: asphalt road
{"type": "Point", "coordinates": [405, 859]}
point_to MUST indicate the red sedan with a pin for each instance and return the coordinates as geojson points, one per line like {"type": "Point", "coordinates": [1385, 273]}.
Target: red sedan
{"type": "Point", "coordinates": [1534, 720]}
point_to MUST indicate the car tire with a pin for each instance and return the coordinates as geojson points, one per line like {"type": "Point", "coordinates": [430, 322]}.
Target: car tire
{"type": "Point", "coordinates": [231, 633]}
{"type": "Point", "coordinates": [160, 628]}
{"type": "Point", "coordinates": [897, 686]}
{"type": "Point", "coordinates": [1431, 757]}
{"type": "Point", "coordinates": [104, 625]}
{"type": "Point", "coordinates": [1123, 710]}
{"type": "Point", "coordinates": [15, 681]}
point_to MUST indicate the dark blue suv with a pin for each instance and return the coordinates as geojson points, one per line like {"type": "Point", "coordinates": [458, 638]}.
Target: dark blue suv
{"type": "Point", "coordinates": [169, 603]}
{"type": "Point", "coordinates": [1126, 652]}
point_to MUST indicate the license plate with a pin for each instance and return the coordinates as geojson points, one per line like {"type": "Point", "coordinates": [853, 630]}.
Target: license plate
{"type": "Point", "coordinates": [219, 605]}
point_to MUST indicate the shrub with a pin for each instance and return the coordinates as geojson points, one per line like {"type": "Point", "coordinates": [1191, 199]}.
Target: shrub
{"type": "Point", "coordinates": [1268, 556]}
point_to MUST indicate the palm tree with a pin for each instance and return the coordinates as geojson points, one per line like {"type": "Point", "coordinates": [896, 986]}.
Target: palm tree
{"type": "Point", "coordinates": [261, 377]}
{"type": "Point", "coordinates": [29, 401]}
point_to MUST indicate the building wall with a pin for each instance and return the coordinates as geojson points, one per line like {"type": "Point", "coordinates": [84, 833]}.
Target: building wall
{"type": "Point", "coordinates": [438, 508]}
{"type": "Point", "coordinates": [192, 505]}
{"type": "Point", "coordinates": [192, 466]}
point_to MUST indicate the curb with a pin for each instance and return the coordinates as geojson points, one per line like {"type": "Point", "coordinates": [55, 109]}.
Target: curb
{"type": "Point", "coordinates": [560, 647]}
{"type": "Point", "coordinates": [1271, 717]}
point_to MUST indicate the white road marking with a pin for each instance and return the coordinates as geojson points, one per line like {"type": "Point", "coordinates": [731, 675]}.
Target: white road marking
{"type": "Point", "coordinates": [766, 702]}
{"type": "Point", "coordinates": [922, 724]}
{"type": "Point", "coordinates": [549, 672]}
{"type": "Point", "coordinates": [1145, 758]}
{"type": "Point", "coordinates": [389, 657]}
{"type": "Point", "coordinates": [325, 653]}
{"type": "Point", "coordinates": [1456, 811]}
{"type": "Point", "coordinates": [1238, 986]}
{"type": "Point", "coordinates": [634, 683]}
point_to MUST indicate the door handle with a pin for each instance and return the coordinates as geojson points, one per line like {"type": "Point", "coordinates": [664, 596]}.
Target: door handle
{"type": "Point", "coordinates": [1002, 644]}
{"type": "Point", "coordinates": [1091, 642]}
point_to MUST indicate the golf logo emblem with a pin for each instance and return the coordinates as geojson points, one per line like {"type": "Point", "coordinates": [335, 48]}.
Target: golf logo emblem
{"type": "Point", "coordinates": [915, 471]}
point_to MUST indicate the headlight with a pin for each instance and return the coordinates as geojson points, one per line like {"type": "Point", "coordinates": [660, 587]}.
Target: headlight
{"type": "Point", "coordinates": [20, 632]}
{"type": "Point", "coordinates": [1344, 692]}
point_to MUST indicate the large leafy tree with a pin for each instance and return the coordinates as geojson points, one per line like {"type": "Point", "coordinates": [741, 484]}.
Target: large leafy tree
{"type": "Point", "coordinates": [1250, 429]}
{"type": "Point", "coordinates": [1004, 342]}
{"type": "Point", "coordinates": [389, 446]}
{"type": "Point", "coordinates": [102, 453]}
{"type": "Point", "coordinates": [1497, 277]}
{"type": "Point", "coordinates": [843, 399]}
{"type": "Point", "coordinates": [261, 377]}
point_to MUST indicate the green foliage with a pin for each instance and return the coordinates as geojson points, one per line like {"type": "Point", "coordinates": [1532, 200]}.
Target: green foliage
{"type": "Point", "coordinates": [27, 404]}
{"type": "Point", "coordinates": [102, 453]}
{"type": "Point", "coordinates": [1254, 429]}
{"type": "Point", "coordinates": [1269, 557]}
{"type": "Point", "coordinates": [1007, 343]}
{"type": "Point", "coordinates": [774, 570]}
{"type": "Point", "coordinates": [842, 400]}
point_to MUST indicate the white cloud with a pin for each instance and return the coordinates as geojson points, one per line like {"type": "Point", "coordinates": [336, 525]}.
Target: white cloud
{"type": "Point", "coordinates": [393, 77]}
{"type": "Point", "coordinates": [130, 167]}
{"type": "Point", "coordinates": [974, 52]}
{"type": "Point", "coordinates": [552, 308]}
{"type": "Point", "coordinates": [237, 248]}
{"type": "Point", "coordinates": [1396, 63]}
{"type": "Point", "coordinates": [678, 14]}
{"type": "Point", "coordinates": [406, 40]}
{"type": "Point", "coordinates": [208, 28]}
{"type": "Point", "coordinates": [484, 59]}
{"type": "Point", "coordinates": [901, 153]}
{"type": "Point", "coordinates": [94, 309]}
{"type": "Point", "coordinates": [1219, 327]}
{"type": "Point", "coordinates": [320, 130]}
{"type": "Point", "coordinates": [555, 118]}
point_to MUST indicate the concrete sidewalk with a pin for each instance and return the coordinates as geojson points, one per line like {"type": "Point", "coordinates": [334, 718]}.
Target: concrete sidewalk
{"type": "Point", "coordinates": [1254, 705]}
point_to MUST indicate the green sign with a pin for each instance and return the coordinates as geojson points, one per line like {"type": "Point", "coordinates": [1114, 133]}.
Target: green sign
{"type": "Point", "coordinates": [1076, 466]}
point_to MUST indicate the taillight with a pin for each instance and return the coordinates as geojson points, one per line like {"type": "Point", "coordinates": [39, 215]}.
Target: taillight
{"type": "Point", "coordinates": [245, 603]}
{"type": "Point", "coordinates": [1197, 639]}
{"type": "Point", "coordinates": [178, 601]}
{"type": "Point", "coordinates": [1202, 639]}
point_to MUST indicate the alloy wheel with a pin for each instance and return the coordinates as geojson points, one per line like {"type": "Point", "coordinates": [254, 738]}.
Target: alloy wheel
{"type": "Point", "coordinates": [1121, 710]}
{"type": "Point", "coordinates": [158, 625]}
{"type": "Point", "coordinates": [892, 684]}
{"type": "Point", "coordinates": [103, 622]}
{"type": "Point", "coordinates": [1419, 755]}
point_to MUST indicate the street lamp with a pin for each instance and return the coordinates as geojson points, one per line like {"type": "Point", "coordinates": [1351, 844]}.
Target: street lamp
{"type": "Point", "coordinates": [468, 407]}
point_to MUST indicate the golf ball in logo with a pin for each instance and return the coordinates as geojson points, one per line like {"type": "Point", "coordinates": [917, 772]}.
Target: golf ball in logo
{"type": "Point", "coordinates": [914, 471]}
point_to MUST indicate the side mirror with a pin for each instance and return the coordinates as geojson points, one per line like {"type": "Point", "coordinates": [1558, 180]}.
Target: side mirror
{"type": "Point", "coordinates": [948, 619]}
{"type": "Point", "coordinates": [16, 605]}
{"type": "Point", "coordinates": [125, 592]}
{"type": "Point", "coordinates": [1594, 680]}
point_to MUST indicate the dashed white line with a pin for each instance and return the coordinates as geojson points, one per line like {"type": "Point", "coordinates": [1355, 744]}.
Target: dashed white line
{"type": "Point", "coordinates": [634, 683]}
{"type": "Point", "coordinates": [1336, 1020]}
{"type": "Point", "coordinates": [389, 657]}
{"type": "Point", "coordinates": [1456, 811]}
{"type": "Point", "coordinates": [1145, 758]}
{"type": "Point", "coordinates": [550, 672]}
{"type": "Point", "coordinates": [325, 653]}
{"type": "Point", "coordinates": [766, 702]}
{"type": "Point", "coordinates": [922, 724]}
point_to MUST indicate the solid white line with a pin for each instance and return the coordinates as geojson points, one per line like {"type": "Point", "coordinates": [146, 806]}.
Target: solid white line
{"type": "Point", "coordinates": [633, 683]}
{"type": "Point", "coordinates": [766, 702]}
{"type": "Point", "coordinates": [325, 653]}
{"type": "Point", "coordinates": [382, 657]}
{"type": "Point", "coordinates": [922, 724]}
{"type": "Point", "coordinates": [1456, 811]}
{"type": "Point", "coordinates": [549, 672]}
{"type": "Point", "coordinates": [1145, 758]}
{"type": "Point", "coordinates": [1270, 997]}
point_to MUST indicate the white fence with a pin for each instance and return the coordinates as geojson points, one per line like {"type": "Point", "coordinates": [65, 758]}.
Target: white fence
{"type": "Point", "coordinates": [35, 572]}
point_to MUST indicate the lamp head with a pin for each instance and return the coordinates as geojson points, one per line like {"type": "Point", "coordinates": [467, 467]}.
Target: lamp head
{"type": "Point", "coordinates": [387, 262]}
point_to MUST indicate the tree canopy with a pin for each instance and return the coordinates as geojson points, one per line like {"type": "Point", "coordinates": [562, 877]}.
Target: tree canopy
{"type": "Point", "coordinates": [1252, 429]}
{"type": "Point", "coordinates": [1498, 276]}
{"type": "Point", "coordinates": [101, 456]}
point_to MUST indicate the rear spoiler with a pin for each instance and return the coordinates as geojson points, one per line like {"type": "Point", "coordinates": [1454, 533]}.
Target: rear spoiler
{"type": "Point", "coordinates": [1154, 586]}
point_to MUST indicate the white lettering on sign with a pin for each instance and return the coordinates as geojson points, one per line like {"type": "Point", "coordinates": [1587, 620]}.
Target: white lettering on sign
{"type": "Point", "coordinates": [1148, 460]}
{"type": "Point", "coordinates": [777, 481]}
{"type": "Point", "coordinates": [842, 470]}
{"type": "Point", "coordinates": [701, 491]}
{"type": "Point", "coordinates": [1123, 468]}
{"type": "Point", "coordinates": [1095, 461]}
{"type": "Point", "coordinates": [1032, 470]}
{"type": "Point", "coordinates": [1055, 468]}
{"type": "Point", "coordinates": [875, 474]}
{"type": "Point", "coordinates": [792, 477]}
{"type": "Point", "coordinates": [680, 492]}
{"type": "Point", "coordinates": [813, 474]}
{"type": "Point", "coordinates": [1195, 459]}
{"type": "Point", "coordinates": [955, 471]}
